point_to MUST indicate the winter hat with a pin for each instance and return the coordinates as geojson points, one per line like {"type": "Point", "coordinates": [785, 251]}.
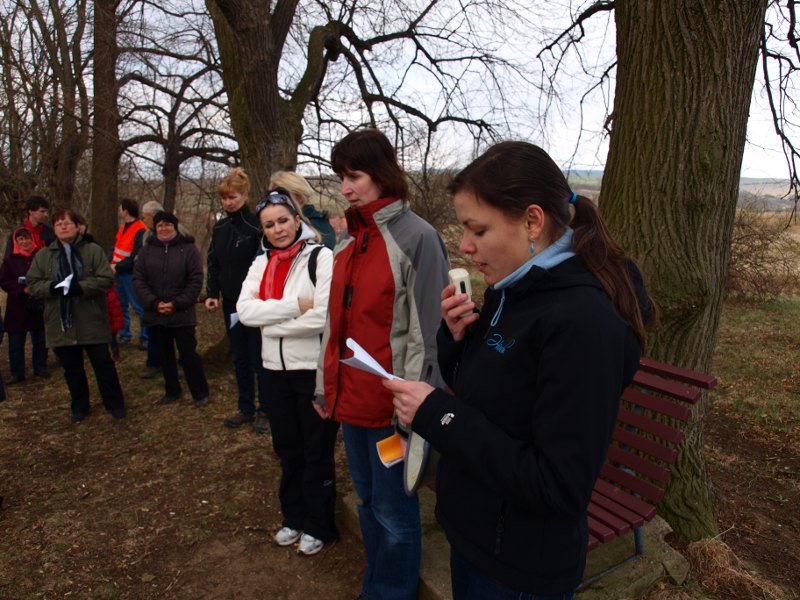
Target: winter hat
{"type": "Point", "coordinates": [165, 216]}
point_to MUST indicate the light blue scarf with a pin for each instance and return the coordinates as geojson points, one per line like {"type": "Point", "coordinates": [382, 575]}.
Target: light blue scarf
{"type": "Point", "coordinates": [553, 255]}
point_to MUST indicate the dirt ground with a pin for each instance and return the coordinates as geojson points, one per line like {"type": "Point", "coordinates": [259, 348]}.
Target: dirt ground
{"type": "Point", "coordinates": [755, 473]}
{"type": "Point", "coordinates": [170, 504]}
{"type": "Point", "coordinates": [167, 503]}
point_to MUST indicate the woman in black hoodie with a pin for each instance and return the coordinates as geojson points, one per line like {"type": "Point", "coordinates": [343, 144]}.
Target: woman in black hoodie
{"type": "Point", "coordinates": [537, 376]}
{"type": "Point", "coordinates": [235, 242]}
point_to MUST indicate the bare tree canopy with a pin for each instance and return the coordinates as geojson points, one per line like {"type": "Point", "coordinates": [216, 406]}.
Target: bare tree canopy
{"type": "Point", "coordinates": [45, 104]}
{"type": "Point", "coordinates": [301, 75]}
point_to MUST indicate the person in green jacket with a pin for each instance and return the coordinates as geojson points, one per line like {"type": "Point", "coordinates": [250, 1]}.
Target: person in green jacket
{"type": "Point", "coordinates": [71, 276]}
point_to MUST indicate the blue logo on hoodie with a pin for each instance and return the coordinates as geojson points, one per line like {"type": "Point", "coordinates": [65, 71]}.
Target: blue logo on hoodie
{"type": "Point", "coordinates": [498, 343]}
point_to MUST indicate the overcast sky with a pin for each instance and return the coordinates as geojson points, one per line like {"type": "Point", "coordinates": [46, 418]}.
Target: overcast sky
{"type": "Point", "coordinates": [763, 156]}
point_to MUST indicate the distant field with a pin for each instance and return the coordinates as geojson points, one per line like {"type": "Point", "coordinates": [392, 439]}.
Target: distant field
{"type": "Point", "coordinates": [764, 187]}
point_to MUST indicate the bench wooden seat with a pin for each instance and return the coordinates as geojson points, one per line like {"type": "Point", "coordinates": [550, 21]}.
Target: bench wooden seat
{"type": "Point", "coordinates": [636, 472]}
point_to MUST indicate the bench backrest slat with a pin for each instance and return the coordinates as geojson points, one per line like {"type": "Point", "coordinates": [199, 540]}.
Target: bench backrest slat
{"type": "Point", "coordinates": [600, 531]}
{"type": "Point", "coordinates": [632, 439]}
{"type": "Point", "coordinates": [620, 526]}
{"type": "Point", "coordinates": [665, 386]}
{"type": "Point", "coordinates": [620, 496]}
{"type": "Point", "coordinates": [641, 465]}
{"type": "Point", "coordinates": [646, 424]}
{"type": "Point", "coordinates": [638, 486]}
{"type": "Point", "coordinates": [634, 519]}
{"type": "Point", "coordinates": [657, 404]}
{"type": "Point", "coordinates": [701, 380]}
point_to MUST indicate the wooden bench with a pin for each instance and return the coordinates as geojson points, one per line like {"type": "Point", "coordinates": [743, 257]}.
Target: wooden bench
{"type": "Point", "coordinates": [633, 479]}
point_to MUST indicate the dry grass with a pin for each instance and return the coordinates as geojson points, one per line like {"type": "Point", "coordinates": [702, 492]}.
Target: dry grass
{"type": "Point", "coordinates": [720, 571]}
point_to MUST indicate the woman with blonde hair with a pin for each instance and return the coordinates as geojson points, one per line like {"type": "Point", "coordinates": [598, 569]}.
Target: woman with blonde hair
{"type": "Point", "coordinates": [235, 242]}
{"type": "Point", "coordinates": [300, 191]}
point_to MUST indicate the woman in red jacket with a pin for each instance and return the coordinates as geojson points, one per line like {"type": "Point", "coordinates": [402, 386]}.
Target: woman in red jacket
{"type": "Point", "coordinates": [384, 295]}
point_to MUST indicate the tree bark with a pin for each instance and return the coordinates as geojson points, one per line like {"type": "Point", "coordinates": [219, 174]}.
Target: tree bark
{"type": "Point", "coordinates": [106, 147]}
{"type": "Point", "coordinates": [171, 170]}
{"type": "Point", "coordinates": [268, 127]}
{"type": "Point", "coordinates": [684, 80]}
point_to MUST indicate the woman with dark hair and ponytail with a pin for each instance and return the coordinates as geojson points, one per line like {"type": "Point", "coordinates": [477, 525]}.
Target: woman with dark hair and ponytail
{"type": "Point", "coordinates": [537, 376]}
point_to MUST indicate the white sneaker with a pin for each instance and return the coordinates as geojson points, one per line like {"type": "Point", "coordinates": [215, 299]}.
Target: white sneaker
{"type": "Point", "coordinates": [287, 536]}
{"type": "Point", "coordinates": [309, 545]}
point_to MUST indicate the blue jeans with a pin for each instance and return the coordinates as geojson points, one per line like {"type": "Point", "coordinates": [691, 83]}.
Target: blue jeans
{"type": "Point", "coordinates": [389, 518]}
{"type": "Point", "coordinates": [16, 352]}
{"type": "Point", "coordinates": [153, 354]}
{"type": "Point", "coordinates": [128, 296]}
{"type": "Point", "coordinates": [471, 584]}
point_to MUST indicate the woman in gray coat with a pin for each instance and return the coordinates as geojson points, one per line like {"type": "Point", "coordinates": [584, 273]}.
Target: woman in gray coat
{"type": "Point", "coordinates": [71, 276]}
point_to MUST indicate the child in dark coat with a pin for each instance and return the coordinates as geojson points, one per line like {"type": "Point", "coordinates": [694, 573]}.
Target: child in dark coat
{"type": "Point", "coordinates": [24, 314]}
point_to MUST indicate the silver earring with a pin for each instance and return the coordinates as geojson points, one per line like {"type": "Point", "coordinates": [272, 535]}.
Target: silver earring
{"type": "Point", "coordinates": [532, 248]}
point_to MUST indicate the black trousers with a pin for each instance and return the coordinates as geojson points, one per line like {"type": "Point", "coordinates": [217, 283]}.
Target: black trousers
{"type": "Point", "coordinates": [304, 443]}
{"type": "Point", "coordinates": [246, 349]}
{"type": "Point", "coordinates": [71, 359]}
{"type": "Point", "coordinates": [166, 339]}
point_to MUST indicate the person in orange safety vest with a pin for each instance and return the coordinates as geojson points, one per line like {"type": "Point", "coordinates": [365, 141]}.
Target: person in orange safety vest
{"type": "Point", "coordinates": [127, 244]}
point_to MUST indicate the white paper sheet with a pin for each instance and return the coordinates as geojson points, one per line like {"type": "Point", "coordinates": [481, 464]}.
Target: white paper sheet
{"type": "Point", "coordinates": [362, 360]}
{"type": "Point", "coordinates": [234, 319]}
{"type": "Point", "coordinates": [65, 284]}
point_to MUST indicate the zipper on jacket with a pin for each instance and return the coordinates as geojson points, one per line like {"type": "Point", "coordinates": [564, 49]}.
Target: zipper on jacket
{"type": "Point", "coordinates": [364, 242]}
{"type": "Point", "coordinates": [164, 272]}
{"type": "Point", "coordinates": [280, 353]}
{"type": "Point", "coordinates": [348, 296]}
{"type": "Point", "coordinates": [501, 523]}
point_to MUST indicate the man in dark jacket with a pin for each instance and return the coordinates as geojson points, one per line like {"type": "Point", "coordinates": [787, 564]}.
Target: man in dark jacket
{"type": "Point", "coordinates": [167, 277]}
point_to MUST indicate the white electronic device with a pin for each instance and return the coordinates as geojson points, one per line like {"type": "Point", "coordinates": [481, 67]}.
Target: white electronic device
{"type": "Point", "coordinates": [460, 278]}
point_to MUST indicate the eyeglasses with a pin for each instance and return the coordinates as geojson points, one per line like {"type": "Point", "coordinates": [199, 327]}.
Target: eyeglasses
{"type": "Point", "coordinates": [63, 223]}
{"type": "Point", "coordinates": [276, 198]}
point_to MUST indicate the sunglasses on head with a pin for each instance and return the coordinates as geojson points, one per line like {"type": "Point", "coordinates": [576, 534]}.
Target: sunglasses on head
{"type": "Point", "coordinates": [276, 197]}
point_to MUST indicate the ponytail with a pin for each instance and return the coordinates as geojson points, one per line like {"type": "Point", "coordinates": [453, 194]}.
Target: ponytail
{"type": "Point", "coordinates": [605, 258]}
{"type": "Point", "coordinates": [512, 175]}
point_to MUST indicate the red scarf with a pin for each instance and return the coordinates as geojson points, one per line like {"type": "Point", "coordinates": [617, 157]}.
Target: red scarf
{"type": "Point", "coordinates": [276, 271]}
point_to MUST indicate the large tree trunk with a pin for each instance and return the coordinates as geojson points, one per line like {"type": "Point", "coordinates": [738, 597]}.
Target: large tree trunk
{"type": "Point", "coordinates": [106, 147]}
{"type": "Point", "coordinates": [268, 127]}
{"type": "Point", "coordinates": [68, 156]}
{"type": "Point", "coordinates": [172, 174]}
{"type": "Point", "coordinates": [684, 80]}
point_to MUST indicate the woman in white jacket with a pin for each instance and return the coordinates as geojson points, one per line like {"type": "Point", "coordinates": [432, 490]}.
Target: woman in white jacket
{"type": "Point", "coordinates": [286, 295]}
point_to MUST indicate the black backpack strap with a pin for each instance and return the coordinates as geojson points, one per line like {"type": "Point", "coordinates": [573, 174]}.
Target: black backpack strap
{"type": "Point", "coordinates": [312, 264]}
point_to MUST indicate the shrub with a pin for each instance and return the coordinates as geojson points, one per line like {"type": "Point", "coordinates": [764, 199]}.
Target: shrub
{"type": "Point", "coordinates": [764, 255]}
